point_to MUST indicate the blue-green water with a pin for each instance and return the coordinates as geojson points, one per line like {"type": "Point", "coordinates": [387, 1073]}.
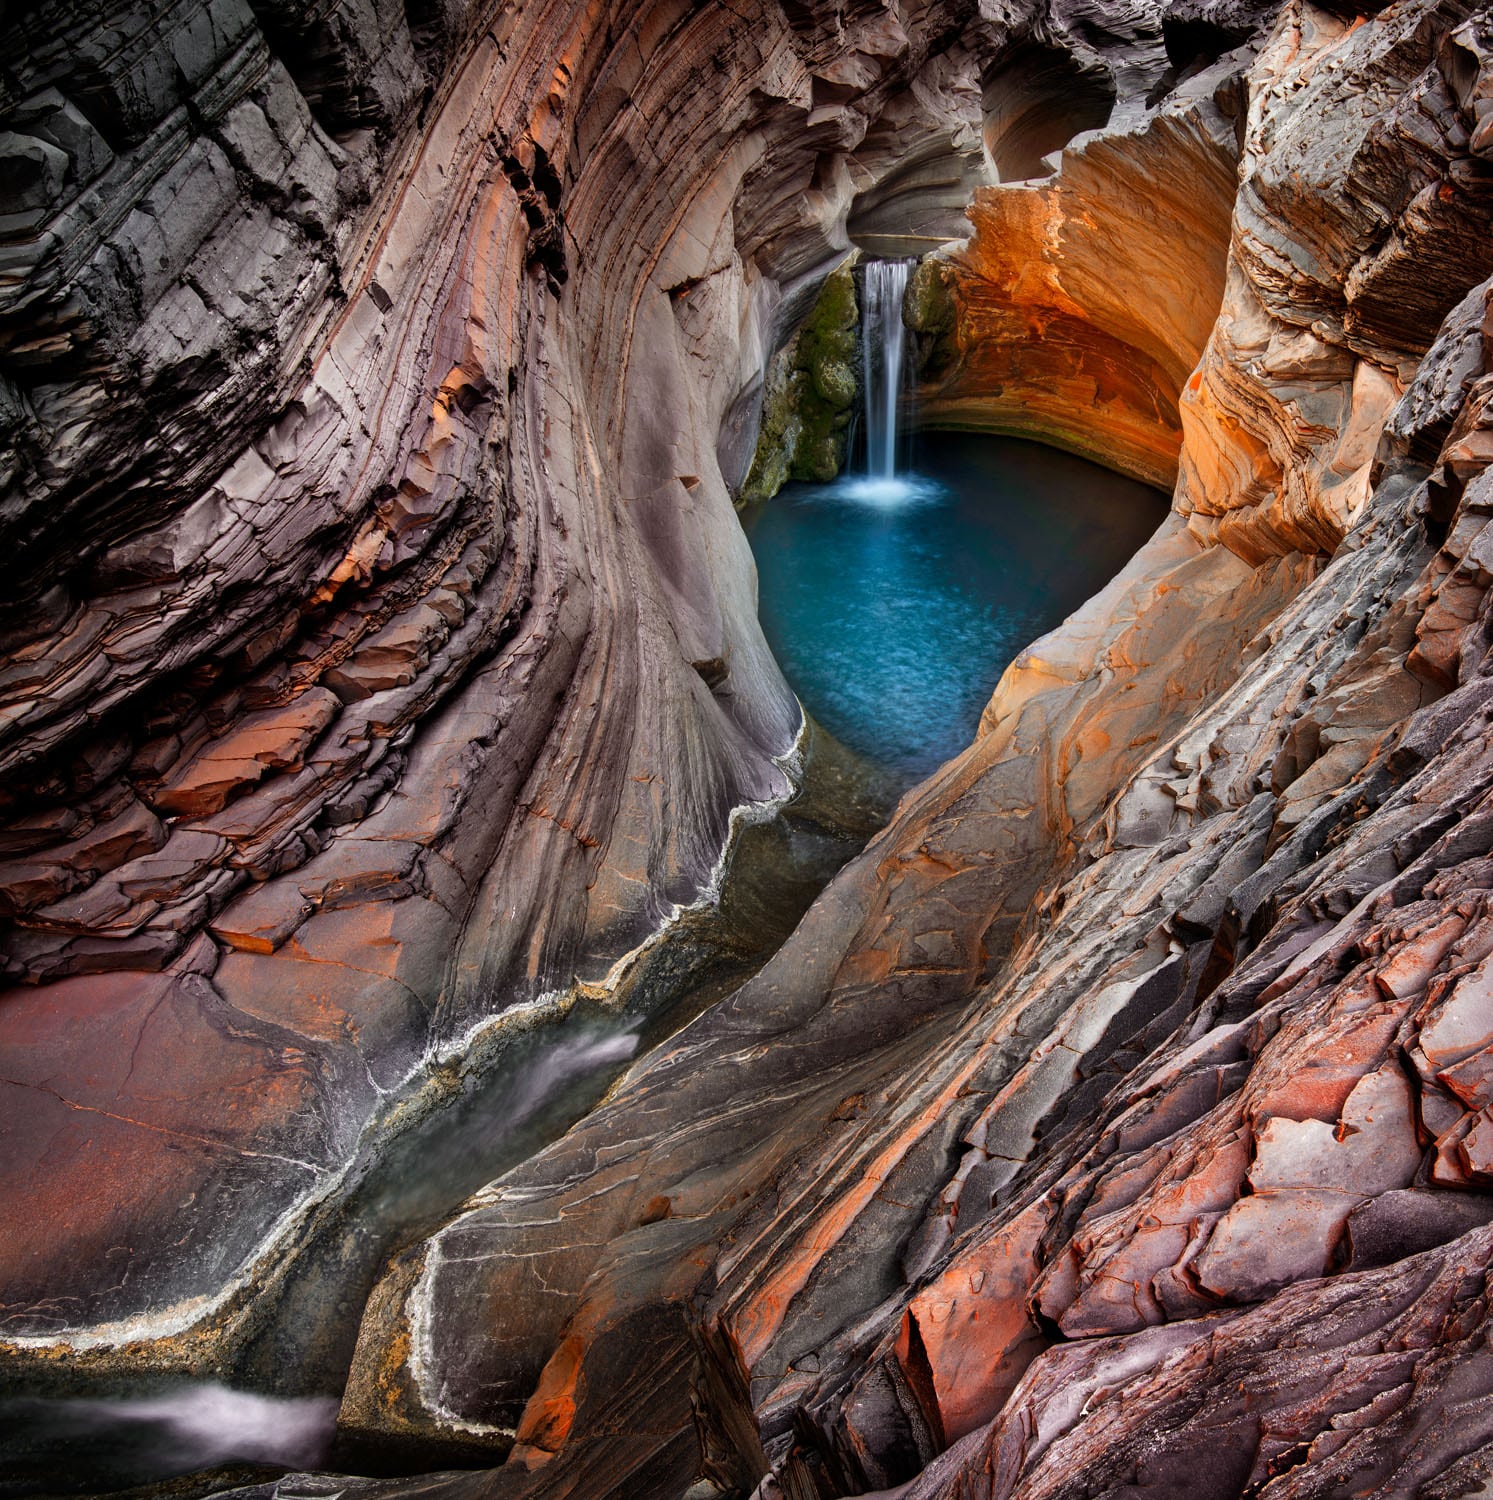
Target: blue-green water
{"type": "Point", "coordinates": [894, 609]}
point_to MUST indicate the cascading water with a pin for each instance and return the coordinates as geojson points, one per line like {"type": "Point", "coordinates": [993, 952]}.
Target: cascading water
{"type": "Point", "coordinates": [883, 347]}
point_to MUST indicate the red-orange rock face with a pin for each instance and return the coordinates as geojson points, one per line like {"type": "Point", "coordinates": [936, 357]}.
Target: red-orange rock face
{"type": "Point", "coordinates": [1051, 338]}
{"type": "Point", "coordinates": [1336, 281]}
{"type": "Point", "coordinates": [1121, 1120]}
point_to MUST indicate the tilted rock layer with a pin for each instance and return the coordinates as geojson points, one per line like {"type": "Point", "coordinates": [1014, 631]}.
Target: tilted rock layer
{"type": "Point", "coordinates": [1119, 1122]}
{"type": "Point", "coordinates": [1081, 305]}
{"type": "Point", "coordinates": [380, 645]}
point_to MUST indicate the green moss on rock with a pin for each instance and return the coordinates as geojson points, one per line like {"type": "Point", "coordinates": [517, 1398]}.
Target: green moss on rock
{"type": "Point", "coordinates": [778, 431]}
{"type": "Point", "coordinates": [810, 391]}
{"type": "Point", "coordinates": [827, 338]}
{"type": "Point", "coordinates": [928, 309]}
{"type": "Point", "coordinates": [834, 383]}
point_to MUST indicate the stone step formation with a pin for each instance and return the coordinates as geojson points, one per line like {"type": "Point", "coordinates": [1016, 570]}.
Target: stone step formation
{"type": "Point", "coordinates": [381, 680]}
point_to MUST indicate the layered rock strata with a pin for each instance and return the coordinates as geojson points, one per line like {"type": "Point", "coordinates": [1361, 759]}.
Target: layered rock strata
{"type": "Point", "coordinates": [1324, 324]}
{"type": "Point", "coordinates": [1117, 1121]}
{"type": "Point", "coordinates": [1079, 308]}
{"type": "Point", "coordinates": [380, 645]}
{"type": "Point", "coordinates": [1112, 1124]}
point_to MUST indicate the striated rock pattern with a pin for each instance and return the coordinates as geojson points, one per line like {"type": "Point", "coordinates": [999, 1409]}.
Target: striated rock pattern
{"type": "Point", "coordinates": [380, 653]}
{"type": "Point", "coordinates": [1329, 311]}
{"type": "Point", "coordinates": [1119, 1121]}
{"type": "Point", "coordinates": [1112, 1125]}
{"type": "Point", "coordinates": [1082, 303]}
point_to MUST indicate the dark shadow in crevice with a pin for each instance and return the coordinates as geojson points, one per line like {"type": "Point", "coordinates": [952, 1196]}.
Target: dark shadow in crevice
{"type": "Point", "coordinates": [1191, 46]}
{"type": "Point", "coordinates": [1037, 97]}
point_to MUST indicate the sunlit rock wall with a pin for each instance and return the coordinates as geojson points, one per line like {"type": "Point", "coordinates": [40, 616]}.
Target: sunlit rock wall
{"type": "Point", "coordinates": [1344, 264]}
{"type": "Point", "coordinates": [1080, 306]}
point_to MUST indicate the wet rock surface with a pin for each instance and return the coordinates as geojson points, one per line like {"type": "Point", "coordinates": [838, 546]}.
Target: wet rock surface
{"type": "Point", "coordinates": [1120, 1121]}
{"type": "Point", "coordinates": [809, 391]}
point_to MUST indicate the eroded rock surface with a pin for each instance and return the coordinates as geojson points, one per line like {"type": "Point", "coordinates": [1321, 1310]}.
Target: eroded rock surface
{"type": "Point", "coordinates": [1049, 334]}
{"type": "Point", "coordinates": [1125, 1100]}
{"type": "Point", "coordinates": [1121, 1120]}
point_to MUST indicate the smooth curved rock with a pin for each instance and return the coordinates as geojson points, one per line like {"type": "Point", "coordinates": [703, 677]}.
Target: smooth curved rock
{"type": "Point", "coordinates": [1081, 305]}
{"type": "Point", "coordinates": [381, 648]}
{"type": "Point", "coordinates": [1038, 96]}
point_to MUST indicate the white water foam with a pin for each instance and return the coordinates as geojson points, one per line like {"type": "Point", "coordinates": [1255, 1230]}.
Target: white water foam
{"type": "Point", "coordinates": [886, 492]}
{"type": "Point", "coordinates": [202, 1425]}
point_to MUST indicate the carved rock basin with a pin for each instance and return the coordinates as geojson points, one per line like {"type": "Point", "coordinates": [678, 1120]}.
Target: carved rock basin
{"type": "Point", "coordinates": [894, 608]}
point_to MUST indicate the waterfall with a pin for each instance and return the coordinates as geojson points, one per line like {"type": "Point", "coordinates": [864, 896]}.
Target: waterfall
{"type": "Point", "coordinates": [883, 340]}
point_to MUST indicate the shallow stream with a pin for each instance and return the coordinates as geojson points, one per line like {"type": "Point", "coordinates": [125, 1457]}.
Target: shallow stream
{"type": "Point", "coordinates": [275, 1404]}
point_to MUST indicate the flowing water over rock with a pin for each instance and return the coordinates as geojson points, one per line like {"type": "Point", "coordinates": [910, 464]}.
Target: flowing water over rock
{"type": "Point", "coordinates": [883, 357]}
{"type": "Point", "coordinates": [75, 1446]}
{"type": "Point", "coordinates": [522, 1088]}
{"type": "Point", "coordinates": [895, 607]}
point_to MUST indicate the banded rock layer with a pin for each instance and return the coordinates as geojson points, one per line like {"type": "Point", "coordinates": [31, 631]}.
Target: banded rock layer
{"type": "Point", "coordinates": [1125, 1101]}
{"type": "Point", "coordinates": [380, 645]}
{"type": "Point", "coordinates": [1119, 1103]}
{"type": "Point", "coordinates": [1081, 305]}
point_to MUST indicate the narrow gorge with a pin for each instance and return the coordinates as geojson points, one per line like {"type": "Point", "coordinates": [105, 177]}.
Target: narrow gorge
{"type": "Point", "coordinates": [465, 1028]}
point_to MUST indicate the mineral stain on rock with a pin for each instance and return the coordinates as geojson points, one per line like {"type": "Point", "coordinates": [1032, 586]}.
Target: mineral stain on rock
{"type": "Point", "coordinates": [382, 679]}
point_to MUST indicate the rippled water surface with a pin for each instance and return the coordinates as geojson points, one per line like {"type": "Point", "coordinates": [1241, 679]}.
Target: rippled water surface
{"type": "Point", "coordinates": [894, 607]}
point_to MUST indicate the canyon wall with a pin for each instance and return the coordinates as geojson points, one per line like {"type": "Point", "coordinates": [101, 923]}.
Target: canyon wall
{"type": "Point", "coordinates": [1078, 309]}
{"type": "Point", "coordinates": [383, 660]}
{"type": "Point", "coordinates": [1111, 1126]}
{"type": "Point", "coordinates": [380, 646]}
